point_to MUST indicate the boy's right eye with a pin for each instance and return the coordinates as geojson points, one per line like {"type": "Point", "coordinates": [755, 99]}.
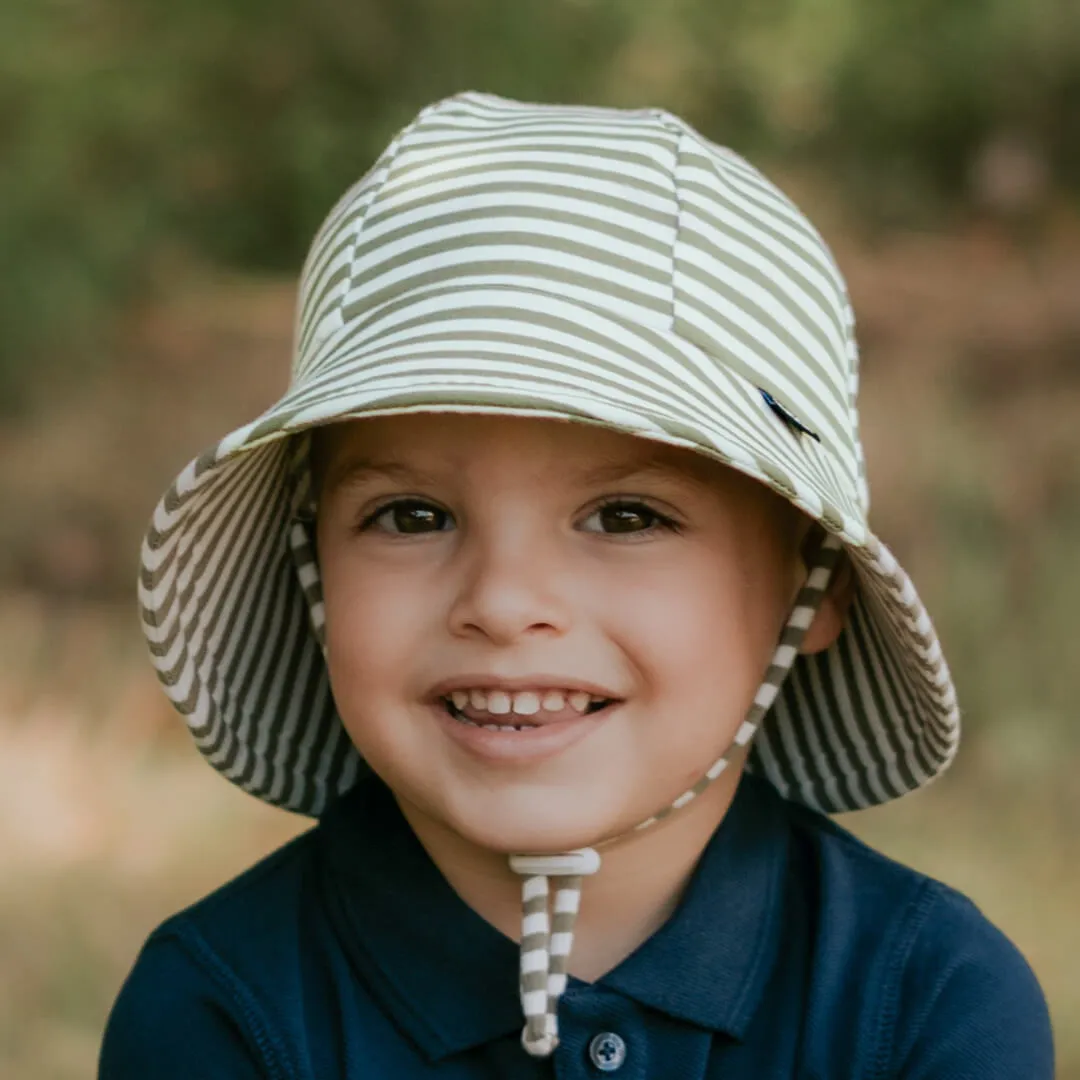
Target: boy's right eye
{"type": "Point", "coordinates": [408, 517]}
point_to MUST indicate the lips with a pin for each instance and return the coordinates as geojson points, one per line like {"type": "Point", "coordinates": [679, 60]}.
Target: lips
{"type": "Point", "coordinates": [515, 740]}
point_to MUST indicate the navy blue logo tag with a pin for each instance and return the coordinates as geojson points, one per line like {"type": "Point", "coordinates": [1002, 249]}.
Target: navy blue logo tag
{"type": "Point", "coordinates": [792, 422]}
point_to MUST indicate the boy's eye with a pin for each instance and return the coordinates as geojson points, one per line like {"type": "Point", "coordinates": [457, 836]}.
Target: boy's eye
{"type": "Point", "coordinates": [625, 517]}
{"type": "Point", "coordinates": [409, 517]}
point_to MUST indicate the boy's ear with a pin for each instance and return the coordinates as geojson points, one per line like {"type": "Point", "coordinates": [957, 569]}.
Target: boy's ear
{"type": "Point", "coordinates": [833, 611]}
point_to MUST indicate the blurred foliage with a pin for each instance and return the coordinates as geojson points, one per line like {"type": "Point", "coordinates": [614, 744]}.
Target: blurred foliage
{"type": "Point", "coordinates": [144, 147]}
{"type": "Point", "coordinates": [135, 134]}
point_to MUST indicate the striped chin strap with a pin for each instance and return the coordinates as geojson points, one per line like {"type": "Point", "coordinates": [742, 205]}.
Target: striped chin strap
{"type": "Point", "coordinates": [547, 930]}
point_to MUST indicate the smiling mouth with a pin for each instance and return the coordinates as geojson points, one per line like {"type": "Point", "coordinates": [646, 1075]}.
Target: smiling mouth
{"type": "Point", "coordinates": [496, 715]}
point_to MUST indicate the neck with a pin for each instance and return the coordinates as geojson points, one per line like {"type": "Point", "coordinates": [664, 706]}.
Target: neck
{"type": "Point", "coordinates": [640, 882]}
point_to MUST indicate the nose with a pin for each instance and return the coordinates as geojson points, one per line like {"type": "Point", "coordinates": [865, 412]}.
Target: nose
{"type": "Point", "coordinates": [512, 585]}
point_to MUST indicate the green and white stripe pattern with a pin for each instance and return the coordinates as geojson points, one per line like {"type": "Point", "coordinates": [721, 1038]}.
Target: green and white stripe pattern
{"type": "Point", "coordinates": [605, 266]}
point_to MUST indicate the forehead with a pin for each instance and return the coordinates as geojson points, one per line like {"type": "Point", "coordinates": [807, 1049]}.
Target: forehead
{"type": "Point", "coordinates": [443, 445]}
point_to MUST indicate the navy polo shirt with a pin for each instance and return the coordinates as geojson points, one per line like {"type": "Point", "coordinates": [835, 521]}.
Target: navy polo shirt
{"type": "Point", "coordinates": [795, 951]}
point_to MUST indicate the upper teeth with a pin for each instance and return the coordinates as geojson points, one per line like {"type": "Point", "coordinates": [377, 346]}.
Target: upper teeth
{"type": "Point", "coordinates": [523, 702]}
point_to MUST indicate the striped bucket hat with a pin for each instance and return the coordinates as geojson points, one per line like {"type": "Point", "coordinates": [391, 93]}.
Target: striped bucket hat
{"type": "Point", "coordinates": [606, 266]}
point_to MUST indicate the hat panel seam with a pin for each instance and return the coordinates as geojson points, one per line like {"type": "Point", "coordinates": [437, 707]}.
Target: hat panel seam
{"type": "Point", "coordinates": [702, 327]}
{"type": "Point", "coordinates": [721, 209]}
{"type": "Point", "coordinates": [353, 209]}
{"type": "Point", "coordinates": [753, 361]}
{"type": "Point", "coordinates": [764, 202]}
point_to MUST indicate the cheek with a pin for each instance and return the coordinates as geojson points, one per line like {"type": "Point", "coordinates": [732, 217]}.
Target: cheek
{"type": "Point", "coordinates": [694, 628]}
{"type": "Point", "coordinates": [374, 622]}
{"type": "Point", "coordinates": [375, 628]}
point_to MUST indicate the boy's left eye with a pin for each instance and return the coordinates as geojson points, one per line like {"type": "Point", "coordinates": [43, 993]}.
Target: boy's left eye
{"type": "Point", "coordinates": [625, 517]}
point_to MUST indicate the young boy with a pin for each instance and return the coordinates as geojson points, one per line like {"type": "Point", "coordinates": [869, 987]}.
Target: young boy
{"type": "Point", "coordinates": [565, 504]}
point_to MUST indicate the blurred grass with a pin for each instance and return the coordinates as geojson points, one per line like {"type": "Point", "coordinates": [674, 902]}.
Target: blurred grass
{"type": "Point", "coordinates": [109, 821]}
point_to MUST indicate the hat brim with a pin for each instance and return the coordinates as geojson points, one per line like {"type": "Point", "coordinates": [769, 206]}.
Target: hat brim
{"type": "Point", "coordinates": [865, 721]}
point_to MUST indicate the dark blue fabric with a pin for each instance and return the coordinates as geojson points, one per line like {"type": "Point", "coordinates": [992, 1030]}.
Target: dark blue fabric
{"type": "Point", "coordinates": [796, 951]}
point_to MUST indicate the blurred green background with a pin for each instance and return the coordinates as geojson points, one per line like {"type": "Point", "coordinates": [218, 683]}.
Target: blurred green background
{"type": "Point", "coordinates": [162, 169]}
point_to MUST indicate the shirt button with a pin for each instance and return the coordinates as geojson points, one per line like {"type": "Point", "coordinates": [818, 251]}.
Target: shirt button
{"type": "Point", "coordinates": [607, 1051]}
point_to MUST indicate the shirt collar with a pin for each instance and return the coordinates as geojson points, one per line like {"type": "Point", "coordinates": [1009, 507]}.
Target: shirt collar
{"type": "Point", "coordinates": [449, 979]}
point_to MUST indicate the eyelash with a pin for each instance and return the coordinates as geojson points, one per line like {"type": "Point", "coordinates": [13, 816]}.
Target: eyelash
{"type": "Point", "coordinates": [662, 522]}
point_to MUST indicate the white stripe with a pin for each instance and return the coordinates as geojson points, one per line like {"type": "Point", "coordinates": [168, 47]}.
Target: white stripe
{"type": "Point", "coordinates": [567, 901]}
{"type": "Point", "coordinates": [533, 888]}
{"type": "Point", "coordinates": [785, 656]}
{"type": "Point", "coordinates": [717, 768]}
{"type": "Point", "coordinates": [534, 1002]}
{"type": "Point", "coordinates": [561, 943]}
{"type": "Point", "coordinates": [534, 960]}
{"type": "Point", "coordinates": [766, 695]}
{"type": "Point", "coordinates": [745, 733]}
{"type": "Point", "coordinates": [536, 923]}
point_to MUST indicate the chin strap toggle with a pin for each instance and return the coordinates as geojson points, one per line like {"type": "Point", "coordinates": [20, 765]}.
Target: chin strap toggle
{"type": "Point", "coordinates": [547, 936]}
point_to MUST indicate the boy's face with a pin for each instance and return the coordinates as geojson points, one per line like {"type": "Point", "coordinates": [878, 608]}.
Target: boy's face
{"type": "Point", "coordinates": [473, 564]}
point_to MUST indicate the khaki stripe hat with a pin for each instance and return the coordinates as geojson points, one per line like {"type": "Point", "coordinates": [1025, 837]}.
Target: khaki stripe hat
{"type": "Point", "coordinates": [605, 266]}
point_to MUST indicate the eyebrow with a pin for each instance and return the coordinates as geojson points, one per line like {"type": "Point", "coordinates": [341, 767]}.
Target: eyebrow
{"type": "Point", "coordinates": [652, 465]}
{"type": "Point", "coordinates": [625, 470]}
{"type": "Point", "coordinates": [356, 471]}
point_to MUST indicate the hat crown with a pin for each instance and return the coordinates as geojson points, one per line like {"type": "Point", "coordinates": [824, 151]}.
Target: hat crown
{"type": "Point", "coordinates": [631, 212]}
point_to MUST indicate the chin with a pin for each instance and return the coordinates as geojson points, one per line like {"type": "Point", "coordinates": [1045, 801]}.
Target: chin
{"type": "Point", "coordinates": [520, 828]}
